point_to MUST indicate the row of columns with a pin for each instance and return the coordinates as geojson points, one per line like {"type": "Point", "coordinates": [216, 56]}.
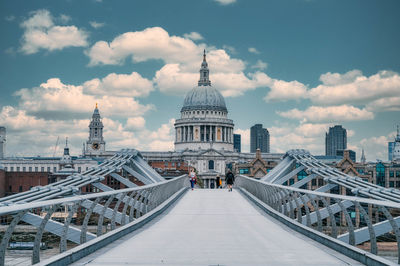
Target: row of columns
{"type": "Point", "coordinates": [208, 133]}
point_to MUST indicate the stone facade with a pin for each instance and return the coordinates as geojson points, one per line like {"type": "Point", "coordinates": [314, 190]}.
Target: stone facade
{"type": "Point", "coordinates": [204, 122]}
{"type": "Point", "coordinates": [256, 168]}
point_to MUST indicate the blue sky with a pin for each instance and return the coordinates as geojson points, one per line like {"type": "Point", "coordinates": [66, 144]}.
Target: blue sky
{"type": "Point", "coordinates": [296, 66]}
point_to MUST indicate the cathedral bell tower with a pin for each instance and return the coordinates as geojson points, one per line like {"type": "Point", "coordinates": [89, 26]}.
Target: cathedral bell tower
{"type": "Point", "coordinates": [96, 144]}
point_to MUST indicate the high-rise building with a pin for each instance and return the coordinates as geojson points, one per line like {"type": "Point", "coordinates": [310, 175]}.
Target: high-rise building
{"type": "Point", "coordinates": [335, 139]}
{"type": "Point", "coordinates": [2, 141]}
{"type": "Point", "coordinates": [237, 143]}
{"type": "Point", "coordinates": [259, 139]}
{"type": "Point", "coordinates": [390, 150]}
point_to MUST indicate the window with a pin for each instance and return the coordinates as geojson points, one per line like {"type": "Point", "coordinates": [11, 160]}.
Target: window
{"type": "Point", "coordinates": [79, 169]}
{"type": "Point", "coordinates": [30, 168]}
{"type": "Point", "coordinates": [211, 164]}
{"type": "Point", "coordinates": [20, 189]}
{"type": "Point", "coordinates": [42, 169]}
{"type": "Point", "coordinates": [23, 169]}
{"type": "Point", "coordinates": [397, 173]}
{"type": "Point", "coordinates": [5, 168]}
{"type": "Point", "coordinates": [320, 182]}
{"type": "Point", "coordinates": [166, 164]}
{"type": "Point", "coordinates": [10, 188]}
{"type": "Point", "coordinates": [54, 169]}
{"type": "Point", "coordinates": [391, 173]}
{"type": "Point", "coordinates": [380, 174]}
{"type": "Point", "coordinates": [243, 171]}
{"type": "Point", "coordinates": [48, 169]}
{"type": "Point", "coordinates": [17, 168]}
{"type": "Point", "coordinates": [314, 182]}
{"type": "Point", "coordinates": [391, 183]}
{"type": "Point", "coordinates": [36, 169]}
{"type": "Point", "coordinates": [12, 169]}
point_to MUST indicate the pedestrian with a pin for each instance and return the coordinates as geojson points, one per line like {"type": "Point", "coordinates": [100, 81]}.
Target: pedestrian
{"type": "Point", "coordinates": [229, 179]}
{"type": "Point", "coordinates": [192, 177]}
{"type": "Point", "coordinates": [218, 181]}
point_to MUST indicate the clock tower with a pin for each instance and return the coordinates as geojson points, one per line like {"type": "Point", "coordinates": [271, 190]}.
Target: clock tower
{"type": "Point", "coordinates": [96, 144]}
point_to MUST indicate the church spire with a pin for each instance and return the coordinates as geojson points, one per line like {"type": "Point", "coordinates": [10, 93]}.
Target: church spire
{"type": "Point", "coordinates": [204, 72]}
{"type": "Point", "coordinates": [363, 159]}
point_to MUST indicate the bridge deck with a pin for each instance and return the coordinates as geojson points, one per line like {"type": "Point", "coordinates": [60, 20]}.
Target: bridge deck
{"type": "Point", "coordinates": [215, 227]}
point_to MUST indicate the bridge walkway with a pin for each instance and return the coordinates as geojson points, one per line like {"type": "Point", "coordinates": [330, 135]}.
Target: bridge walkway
{"type": "Point", "coordinates": [215, 227]}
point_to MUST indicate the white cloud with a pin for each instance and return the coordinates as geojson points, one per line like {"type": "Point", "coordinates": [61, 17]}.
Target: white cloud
{"type": "Point", "coordinates": [384, 104]}
{"type": "Point", "coordinates": [65, 18]}
{"type": "Point", "coordinates": [41, 33]}
{"type": "Point", "coordinates": [260, 65]}
{"type": "Point", "coordinates": [225, 2]}
{"type": "Point", "coordinates": [253, 50]}
{"type": "Point", "coordinates": [229, 48]}
{"type": "Point", "coordinates": [353, 87]}
{"type": "Point", "coordinates": [182, 58]}
{"type": "Point", "coordinates": [54, 98]}
{"type": "Point", "coordinates": [328, 114]}
{"type": "Point", "coordinates": [96, 25]}
{"type": "Point", "coordinates": [195, 36]}
{"type": "Point", "coordinates": [134, 123]}
{"type": "Point", "coordinates": [126, 85]}
{"type": "Point", "coordinates": [375, 147]}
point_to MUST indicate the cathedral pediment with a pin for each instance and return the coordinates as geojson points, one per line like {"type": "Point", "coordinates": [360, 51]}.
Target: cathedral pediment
{"type": "Point", "coordinates": [211, 152]}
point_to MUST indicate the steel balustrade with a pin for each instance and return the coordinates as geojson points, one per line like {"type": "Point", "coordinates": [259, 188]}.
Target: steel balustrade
{"type": "Point", "coordinates": [332, 211]}
{"type": "Point", "coordinates": [137, 201]}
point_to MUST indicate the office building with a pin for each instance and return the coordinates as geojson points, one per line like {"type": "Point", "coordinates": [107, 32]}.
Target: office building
{"type": "Point", "coordinates": [259, 139]}
{"type": "Point", "coordinates": [335, 139]}
{"type": "Point", "coordinates": [237, 143]}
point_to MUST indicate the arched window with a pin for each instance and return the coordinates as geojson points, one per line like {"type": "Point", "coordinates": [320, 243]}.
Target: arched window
{"type": "Point", "coordinates": [211, 165]}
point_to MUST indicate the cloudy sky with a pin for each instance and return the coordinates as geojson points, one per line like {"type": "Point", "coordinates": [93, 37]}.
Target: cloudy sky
{"type": "Point", "coordinates": [296, 66]}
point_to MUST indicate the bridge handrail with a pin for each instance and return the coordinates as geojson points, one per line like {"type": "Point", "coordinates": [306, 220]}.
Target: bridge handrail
{"type": "Point", "coordinates": [358, 220]}
{"type": "Point", "coordinates": [38, 204]}
{"type": "Point", "coordinates": [385, 203]}
{"type": "Point", "coordinates": [118, 206]}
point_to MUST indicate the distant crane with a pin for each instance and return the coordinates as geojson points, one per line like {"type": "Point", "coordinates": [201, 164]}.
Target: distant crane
{"type": "Point", "coordinates": [56, 146]}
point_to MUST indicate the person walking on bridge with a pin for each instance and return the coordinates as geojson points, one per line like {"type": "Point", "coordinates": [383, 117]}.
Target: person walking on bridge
{"type": "Point", "coordinates": [229, 179]}
{"type": "Point", "coordinates": [218, 181]}
{"type": "Point", "coordinates": [192, 177]}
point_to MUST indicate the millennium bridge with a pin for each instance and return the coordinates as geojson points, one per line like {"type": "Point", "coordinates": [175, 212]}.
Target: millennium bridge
{"type": "Point", "coordinates": [262, 222]}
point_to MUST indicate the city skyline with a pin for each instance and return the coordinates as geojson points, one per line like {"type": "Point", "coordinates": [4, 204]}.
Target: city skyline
{"type": "Point", "coordinates": [293, 66]}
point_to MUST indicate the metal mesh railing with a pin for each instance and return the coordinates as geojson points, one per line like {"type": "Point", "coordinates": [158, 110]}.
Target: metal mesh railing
{"type": "Point", "coordinates": [366, 223]}
{"type": "Point", "coordinates": [69, 218]}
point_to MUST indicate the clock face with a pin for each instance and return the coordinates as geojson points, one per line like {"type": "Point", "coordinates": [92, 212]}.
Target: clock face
{"type": "Point", "coordinates": [95, 146]}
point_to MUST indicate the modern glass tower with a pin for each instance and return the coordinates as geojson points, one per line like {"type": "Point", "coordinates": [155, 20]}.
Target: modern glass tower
{"type": "Point", "coordinates": [259, 139]}
{"type": "Point", "coordinates": [2, 141]}
{"type": "Point", "coordinates": [237, 145]}
{"type": "Point", "coordinates": [335, 139]}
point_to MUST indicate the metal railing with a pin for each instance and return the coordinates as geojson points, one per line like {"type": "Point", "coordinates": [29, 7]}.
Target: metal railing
{"type": "Point", "coordinates": [123, 206]}
{"type": "Point", "coordinates": [353, 220]}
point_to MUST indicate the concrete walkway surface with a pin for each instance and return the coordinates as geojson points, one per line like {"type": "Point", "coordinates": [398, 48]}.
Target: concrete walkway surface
{"type": "Point", "coordinates": [215, 227]}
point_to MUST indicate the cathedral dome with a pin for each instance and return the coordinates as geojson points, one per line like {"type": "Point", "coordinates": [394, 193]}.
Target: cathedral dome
{"type": "Point", "coordinates": [204, 98]}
